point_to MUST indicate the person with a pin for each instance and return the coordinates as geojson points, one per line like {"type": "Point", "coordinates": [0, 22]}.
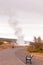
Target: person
{"type": "Point", "coordinates": [29, 57]}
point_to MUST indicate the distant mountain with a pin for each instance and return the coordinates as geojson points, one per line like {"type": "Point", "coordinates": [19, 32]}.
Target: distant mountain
{"type": "Point", "coordinates": [8, 40]}
{"type": "Point", "coordinates": [14, 40]}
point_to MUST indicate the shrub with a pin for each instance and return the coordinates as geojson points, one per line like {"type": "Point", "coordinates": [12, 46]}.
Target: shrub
{"type": "Point", "coordinates": [31, 49]}
{"type": "Point", "coordinates": [1, 42]}
{"type": "Point", "coordinates": [36, 47]}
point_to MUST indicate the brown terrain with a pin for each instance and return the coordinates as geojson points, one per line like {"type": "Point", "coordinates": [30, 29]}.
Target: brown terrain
{"type": "Point", "coordinates": [16, 56]}
{"type": "Point", "coordinates": [36, 60]}
{"type": "Point", "coordinates": [10, 55]}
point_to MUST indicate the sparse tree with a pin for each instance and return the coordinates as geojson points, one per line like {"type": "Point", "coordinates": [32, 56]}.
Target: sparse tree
{"type": "Point", "coordinates": [37, 46]}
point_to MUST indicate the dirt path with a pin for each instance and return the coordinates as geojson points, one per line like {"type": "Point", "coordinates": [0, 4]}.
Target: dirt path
{"type": "Point", "coordinates": [17, 57]}
{"type": "Point", "coordinates": [8, 57]}
{"type": "Point", "coordinates": [35, 60]}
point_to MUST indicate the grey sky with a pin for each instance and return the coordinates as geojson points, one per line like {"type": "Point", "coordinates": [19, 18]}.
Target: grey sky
{"type": "Point", "coordinates": [29, 13]}
{"type": "Point", "coordinates": [30, 10]}
{"type": "Point", "coordinates": [29, 5]}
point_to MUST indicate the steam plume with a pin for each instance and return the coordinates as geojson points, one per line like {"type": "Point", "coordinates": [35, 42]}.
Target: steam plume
{"type": "Point", "coordinates": [18, 31]}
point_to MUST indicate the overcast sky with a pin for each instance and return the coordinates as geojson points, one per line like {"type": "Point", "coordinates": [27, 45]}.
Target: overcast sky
{"type": "Point", "coordinates": [28, 13]}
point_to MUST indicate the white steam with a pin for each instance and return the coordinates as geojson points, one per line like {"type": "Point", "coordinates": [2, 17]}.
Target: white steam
{"type": "Point", "coordinates": [18, 30]}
